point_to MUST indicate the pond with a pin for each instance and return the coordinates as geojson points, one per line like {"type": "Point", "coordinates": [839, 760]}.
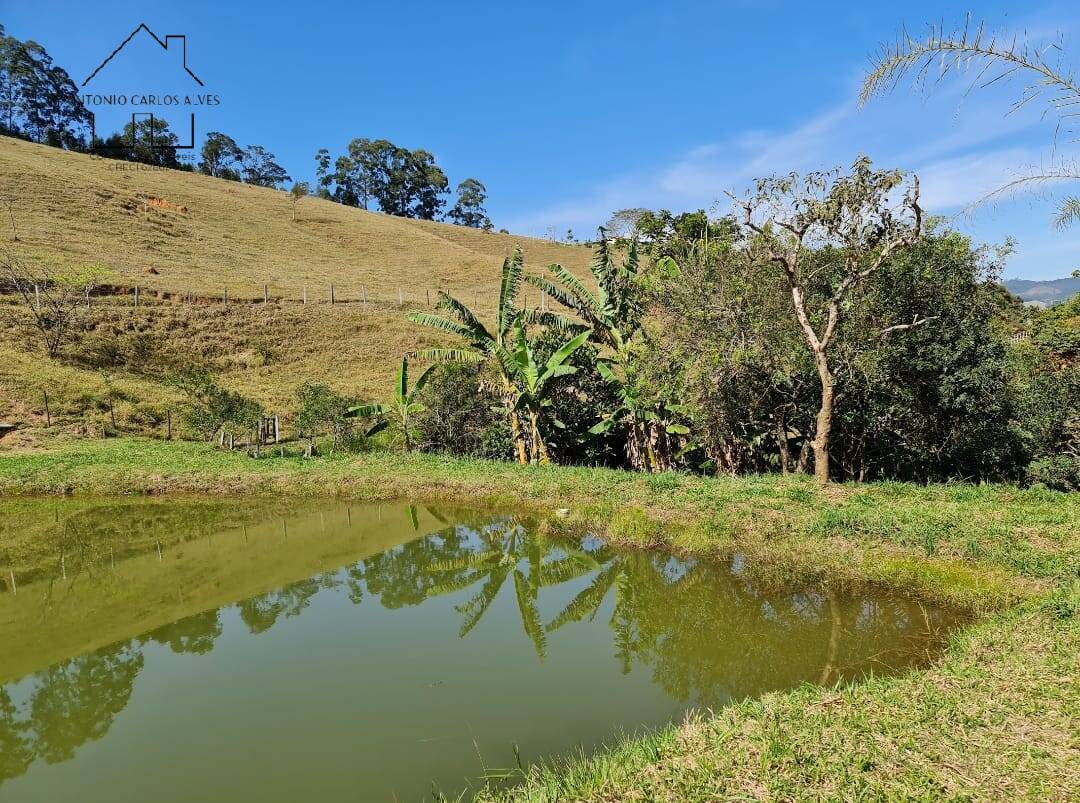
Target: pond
{"type": "Point", "coordinates": [192, 649]}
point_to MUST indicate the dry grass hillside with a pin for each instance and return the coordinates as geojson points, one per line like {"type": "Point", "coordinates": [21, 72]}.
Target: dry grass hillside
{"type": "Point", "coordinates": [171, 232]}
{"type": "Point", "coordinates": [206, 235]}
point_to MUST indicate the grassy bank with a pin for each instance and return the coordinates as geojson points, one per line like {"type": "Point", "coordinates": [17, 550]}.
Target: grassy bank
{"type": "Point", "coordinates": [993, 719]}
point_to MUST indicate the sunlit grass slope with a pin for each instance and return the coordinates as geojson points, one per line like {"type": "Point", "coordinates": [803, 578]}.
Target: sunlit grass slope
{"type": "Point", "coordinates": [211, 235]}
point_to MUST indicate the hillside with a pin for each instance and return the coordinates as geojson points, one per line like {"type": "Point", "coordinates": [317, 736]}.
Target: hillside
{"type": "Point", "coordinates": [206, 235]}
{"type": "Point", "coordinates": [1049, 292]}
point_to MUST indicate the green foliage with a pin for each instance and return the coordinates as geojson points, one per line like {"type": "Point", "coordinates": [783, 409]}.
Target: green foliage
{"type": "Point", "coordinates": [148, 140]}
{"type": "Point", "coordinates": [38, 99]}
{"type": "Point", "coordinates": [211, 409]}
{"type": "Point", "coordinates": [321, 410]}
{"type": "Point", "coordinates": [258, 167]}
{"type": "Point", "coordinates": [404, 183]}
{"type": "Point", "coordinates": [469, 209]}
{"type": "Point", "coordinates": [401, 412]}
{"type": "Point", "coordinates": [221, 157]}
{"type": "Point", "coordinates": [459, 417]}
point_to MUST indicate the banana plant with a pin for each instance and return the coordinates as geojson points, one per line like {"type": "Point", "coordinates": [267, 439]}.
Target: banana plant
{"type": "Point", "coordinates": [613, 311]}
{"type": "Point", "coordinates": [483, 345]}
{"type": "Point", "coordinates": [533, 385]}
{"type": "Point", "coordinates": [400, 412]}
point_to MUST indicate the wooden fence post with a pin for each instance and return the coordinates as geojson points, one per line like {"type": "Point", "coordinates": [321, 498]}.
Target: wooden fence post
{"type": "Point", "coordinates": [168, 425]}
{"type": "Point", "coordinates": [428, 294]}
{"type": "Point", "coordinates": [305, 293]}
{"type": "Point", "coordinates": [365, 296]}
{"type": "Point", "coordinates": [331, 294]}
{"type": "Point", "coordinates": [277, 429]}
{"type": "Point", "coordinates": [266, 294]}
{"type": "Point", "coordinates": [48, 414]}
{"type": "Point", "coordinates": [136, 295]}
{"type": "Point", "coordinates": [37, 297]}
{"type": "Point", "coordinates": [225, 298]}
{"type": "Point", "coordinates": [400, 297]}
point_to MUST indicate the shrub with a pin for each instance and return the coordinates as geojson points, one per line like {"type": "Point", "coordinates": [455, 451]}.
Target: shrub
{"type": "Point", "coordinates": [458, 419]}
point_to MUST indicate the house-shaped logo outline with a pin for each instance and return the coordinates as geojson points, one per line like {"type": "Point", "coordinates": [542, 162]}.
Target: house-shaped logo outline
{"type": "Point", "coordinates": [164, 46]}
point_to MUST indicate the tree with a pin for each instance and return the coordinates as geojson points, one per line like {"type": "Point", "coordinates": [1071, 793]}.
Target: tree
{"type": "Point", "coordinates": [533, 385]}
{"type": "Point", "coordinates": [51, 297]}
{"type": "Point", "coordinates": [469, 209]}
{"type": "Point", "coordinates": [404, 183]}
{"type": "Point", "coordinates": [424, 185]}
{"type": "Point", "coordinates": [38, 100]}
{"type": "Point", "coordinates": [402, 410]}
{"type": "Point", "coordinates": [993, 58]}
{"type": "Point", "coordinates": [613, 312]}
{"type": "Point", "coordinates": [212, 410]}
{"type": "Point", "coordinates": [492, 347]}
{"type": "Point", "coordinates": [853, 230]}
{"type": "Point", "coordinates": [623, 224]}
{"type": "Point", "coordinates": [299, 190]}
{"type": "Point", "coordinates": [324, 178]}
{"type": "Point", "coordinates": [260, 169]}
{"type": "Point", "coordinates": [147, 140]}
{"type": "Point", "coordinates": [323, 410]}
{"type": "Point", "coordinates": [221, 157]}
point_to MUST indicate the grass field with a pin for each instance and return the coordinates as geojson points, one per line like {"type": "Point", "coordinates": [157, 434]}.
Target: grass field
{"type": "Point", "coordinates": [73, 210]}
{"type": "Point", "coordinates": [993, 719]}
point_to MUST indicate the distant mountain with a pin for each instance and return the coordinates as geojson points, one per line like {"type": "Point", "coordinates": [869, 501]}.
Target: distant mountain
{"type": "Point", "coordinates": [1050, 292]}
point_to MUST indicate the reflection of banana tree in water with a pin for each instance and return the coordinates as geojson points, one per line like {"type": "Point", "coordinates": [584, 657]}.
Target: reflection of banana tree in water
{"type": "Point", "coordinates": [616, 571]}
{"type": "Point", "coordinates": [507, 546]}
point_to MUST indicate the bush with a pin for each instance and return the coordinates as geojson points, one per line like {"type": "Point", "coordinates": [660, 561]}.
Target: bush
{"type": "Point", "coordinates": [458, 419]}
{"type": "Point", "coordinates": [211, 409]}
{"type": "Point", "coordinates": [1058, 472]}
{"type": "Point", "coordinates": [323, 411]}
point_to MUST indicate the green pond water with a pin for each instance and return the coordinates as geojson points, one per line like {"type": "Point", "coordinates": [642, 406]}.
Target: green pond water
{"type": "Point", "coordinates": [178, 650]}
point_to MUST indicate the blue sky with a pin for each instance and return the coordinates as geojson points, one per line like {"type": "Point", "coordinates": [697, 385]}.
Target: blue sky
{"type": "Point", "coordinates": [567, 111]}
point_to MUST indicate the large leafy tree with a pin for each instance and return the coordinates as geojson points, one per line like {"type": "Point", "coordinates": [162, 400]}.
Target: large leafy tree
{"type": "Point", "coordinates": [829, 231]}
{"type": "Point", "coordinates": [147, 140]}
{"type": "Point", "coordinates": [38, 99]}
{"type": "Point", "coordinates": [404, 183]}
{"type": "Point", "coordinates": [469, 208]}
{"type": "Point", "coordinates": [482, 344]}
{"type": "Point", "coordinates": [613, 312]}
{"type": "Point", "coordinates": [261, 169]}
{"type": "Point", "coordinates": [522, 385]}
{"type": "Point", "coordinates": [221, 157]}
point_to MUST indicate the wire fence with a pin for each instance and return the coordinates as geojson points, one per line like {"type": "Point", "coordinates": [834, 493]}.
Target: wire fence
{"type": "Point", "coordinates": [328, 295]}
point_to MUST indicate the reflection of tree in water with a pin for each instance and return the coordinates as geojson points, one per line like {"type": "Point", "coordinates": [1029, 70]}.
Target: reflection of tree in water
{"type": "Point", "coordinates": [75, 702]}
{"type": "Point", "coordinates": [709, 635]}
{"type": "Point", "coordinates": [262, 612]}
{"type": "Point", "coordinates": [194, 634]}
{"type": "Point", "coordinates": [67, 705]}
{"type": "Point", "coordinates": [402, 575]}
{"type": "Point", "coordinates": [491, 555]}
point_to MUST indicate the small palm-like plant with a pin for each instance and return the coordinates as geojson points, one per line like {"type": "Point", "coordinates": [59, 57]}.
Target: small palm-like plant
{"type": "Point", "coordinates": [532, 385]}
{"type": "Point", "coordinates": [482, 344]}
{"type": "Point", "coordinates": [400, 412]}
